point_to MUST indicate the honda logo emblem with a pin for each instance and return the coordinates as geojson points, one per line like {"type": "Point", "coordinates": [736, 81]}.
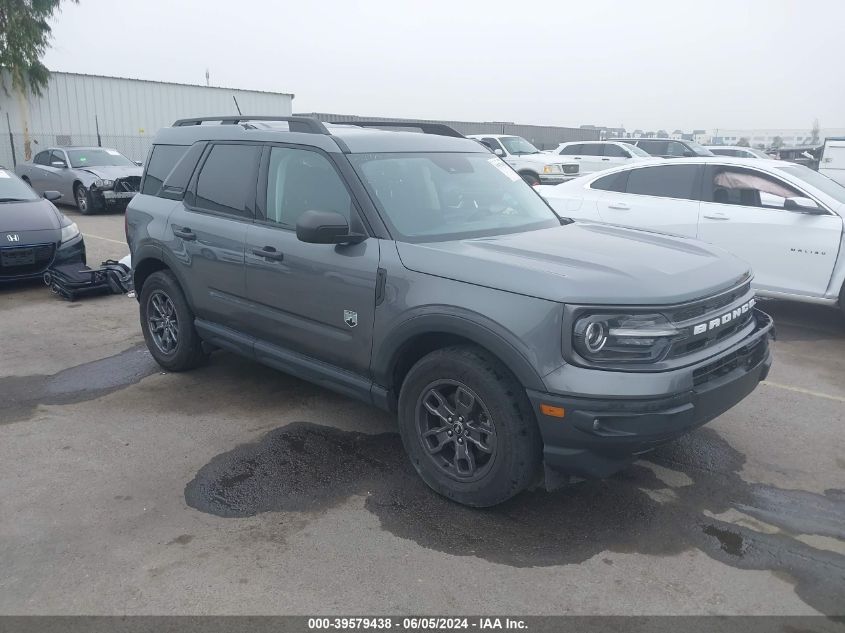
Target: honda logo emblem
{"type": "Point", "coordinates": [13, 237]}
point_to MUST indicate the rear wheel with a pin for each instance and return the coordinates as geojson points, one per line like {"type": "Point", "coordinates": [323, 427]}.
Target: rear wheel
{"type": "Point", "coordinates": [83, 200]}
{"type": "Point", "coordinates": [468, 428]}
{"type": "Point", "coordinates": [167, 323]}
{"type": "Point", "coordinates": [531, 178]}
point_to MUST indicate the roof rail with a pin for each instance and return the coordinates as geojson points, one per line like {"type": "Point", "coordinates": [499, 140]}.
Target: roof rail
{"type": "Point", "coordinates": [441, 129]}
{"type": "Point", "coordinates": [295, 123]}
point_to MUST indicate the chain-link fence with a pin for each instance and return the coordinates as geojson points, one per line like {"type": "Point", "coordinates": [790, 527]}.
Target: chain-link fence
{"type": "Point", "coordinates": [21, 147]}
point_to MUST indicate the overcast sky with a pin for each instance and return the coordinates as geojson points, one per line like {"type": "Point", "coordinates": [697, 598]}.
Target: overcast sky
{"type": "Point", "coordinates": [646, 64]}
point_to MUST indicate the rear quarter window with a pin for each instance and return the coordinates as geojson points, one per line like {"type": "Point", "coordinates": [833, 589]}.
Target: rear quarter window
{"type": "Point", "coordinates": [163, 159]}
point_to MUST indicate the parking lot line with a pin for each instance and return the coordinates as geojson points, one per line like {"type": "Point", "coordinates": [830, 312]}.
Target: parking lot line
{"type": "Point", "coordinates": [106, 239]}
{"type": "Point", "coordinates": [807, 392]}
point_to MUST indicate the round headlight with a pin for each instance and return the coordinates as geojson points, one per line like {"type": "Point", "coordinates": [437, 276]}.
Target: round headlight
{"type": "Point", "coordinates": [595, 336]}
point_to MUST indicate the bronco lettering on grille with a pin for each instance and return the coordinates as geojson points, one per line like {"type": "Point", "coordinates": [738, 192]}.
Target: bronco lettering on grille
{"type": "Point", "coordinates": [726, 318]}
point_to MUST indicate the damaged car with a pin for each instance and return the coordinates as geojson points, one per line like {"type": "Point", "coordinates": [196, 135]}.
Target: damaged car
{"type": "Point", "coordinates": [92, 178]}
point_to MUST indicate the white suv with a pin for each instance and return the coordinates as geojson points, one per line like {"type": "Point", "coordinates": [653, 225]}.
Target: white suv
{"type": "Point", "coordinates": [534, 166]}
{"type": "Point", "coordinates": [786, 220]}
{"type": "Point", "coordinates": [598, 155]}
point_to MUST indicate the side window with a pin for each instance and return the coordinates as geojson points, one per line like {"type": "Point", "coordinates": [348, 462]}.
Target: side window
{"type": "Point", "coordinates": [57, 156]}
{"type": "Point", "coordinates": [572, 150]}
{"type": "Point", "coordinates": [614, 151]}
{"type": "Point", "coordinates": [492, 143]}
{"type": "Point", "coordinates": [675, 149]}
{"type": "Point", "coordinates": [227, 179]}
{"type": "Point", "coordinates": [162, 160]}
{"type": "Point", "coordinates": [300, 180]}
{"type": "Point", "coordinates": [749, 188]}
{"type": "Point", "coordinates": [613, 182]}
{"type": "Point", "coordinates": [655, 148]}
{"type": "Point", "coordinates": [593, 149]}
{"type": "Point", "coordinates": [670, 181]}
{"type": "Point", "coordinates": [42, 158]}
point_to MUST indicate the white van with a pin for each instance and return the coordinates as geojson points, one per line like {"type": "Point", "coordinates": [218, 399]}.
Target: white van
{"type": "Point", "coordinates": [832, 163]}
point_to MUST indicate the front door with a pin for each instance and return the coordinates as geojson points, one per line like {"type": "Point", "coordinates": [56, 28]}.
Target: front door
{"type": "Point", "coordinates": [743, 211]}
{"type": "Point", "coordinates": [313, 299]}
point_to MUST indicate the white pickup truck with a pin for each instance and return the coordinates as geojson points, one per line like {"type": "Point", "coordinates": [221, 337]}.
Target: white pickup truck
{"type": "Point", "coordinates": [535, 167]}
{"type": "Point", "coordinates": [832, 163]}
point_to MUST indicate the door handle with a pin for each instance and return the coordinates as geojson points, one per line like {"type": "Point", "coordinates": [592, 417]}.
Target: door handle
{"type": "Point", "coordinates": [268, 252]}
{"type": "Point", "coordinates": [185, 233]}
{"type": "Point", "coordinates": [576, 157]}
{"type": "Point", "coordinates": [716, 216]}
{"type": "Point", "coordinates": [605, 159]}
{"type": "Point", "coordinates": [619, 205]}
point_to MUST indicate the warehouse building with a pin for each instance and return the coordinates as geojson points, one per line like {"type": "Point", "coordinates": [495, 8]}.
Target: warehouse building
{"type": "Point", "coordinates": [77, 109]}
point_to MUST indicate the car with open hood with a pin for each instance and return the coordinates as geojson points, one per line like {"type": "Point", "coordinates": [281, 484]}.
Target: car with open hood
{"type": "Point", "coordinates": [34, 234]}
{"type": "Point", "coordinates": [92, 178]}
{"type": "Point", "coordinates": [421, 274]}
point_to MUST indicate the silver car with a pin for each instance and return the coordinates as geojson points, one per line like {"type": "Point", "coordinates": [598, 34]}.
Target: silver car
{"type": "Point", "coordinates": [92, 178]}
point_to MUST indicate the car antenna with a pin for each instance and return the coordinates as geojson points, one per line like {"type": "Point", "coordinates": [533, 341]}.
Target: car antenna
{"type": "Point", "coordinates": [236, 104]}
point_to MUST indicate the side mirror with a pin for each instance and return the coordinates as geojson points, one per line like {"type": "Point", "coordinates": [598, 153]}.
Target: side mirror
{"type": "Point", "coordinates": [140, 163]}
{"type": "Point", "coordinates": [51, 195]}
{"type": "Point", "coordinates": [499, 152]}
{"type": "Point", "coordinates": [59, 163]}
{"type": "Point", "coordinates": [803, 205]}
{"type": "Point", "coordinates": [325, 227]}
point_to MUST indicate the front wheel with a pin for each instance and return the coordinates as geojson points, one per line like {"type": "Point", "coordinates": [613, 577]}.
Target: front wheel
{"type": "Point", "coordinates": [531, 178]}
{"type": "Point", "coordinates": [468, 428]}
{"type": "Point", "coordinates": [83, 200]}
{"type": "Point", "coordinates": [167, 323]}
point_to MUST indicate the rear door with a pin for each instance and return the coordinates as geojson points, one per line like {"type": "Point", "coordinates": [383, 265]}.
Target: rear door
{"type": "Point", "coordinates": [833, 161]}
{"type": "Point", "coordinates": [790, 251]}
{"type": "Point", "coordinates": [313, 299]}
{"type": "Point", "coordinates": [614, 155]}
{"type": "Point", "coordinates": [36, 173]}
{"type": "Point", "coordinates": [209, 230]}
{"type": "Point", "coordinates": [660, 198]}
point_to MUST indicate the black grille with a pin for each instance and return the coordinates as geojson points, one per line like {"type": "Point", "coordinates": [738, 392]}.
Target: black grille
{"type": "Point", "coordinates": [743, 358]}
{"type": "Point", "coordinates": [17, 261]}
{"type": "Point", "coordinates": [708, 306]}
{"type": "Point", "coordinates": [130, 183]}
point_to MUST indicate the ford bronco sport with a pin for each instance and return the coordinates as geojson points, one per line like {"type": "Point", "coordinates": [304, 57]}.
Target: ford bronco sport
{"type": "Point", "coordinates": [421, 274]}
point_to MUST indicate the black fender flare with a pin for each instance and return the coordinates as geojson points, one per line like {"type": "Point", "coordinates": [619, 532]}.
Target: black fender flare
{"type": "Point", "coordinates": [471, 326]}
{"type": "Point", "coordinates": [147, 252]}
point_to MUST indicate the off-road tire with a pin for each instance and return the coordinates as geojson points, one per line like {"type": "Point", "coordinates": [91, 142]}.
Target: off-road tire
{"type": "Point", "coordinates": [187, 352]}
{"type": "Point", "coordinates": [517, 453]}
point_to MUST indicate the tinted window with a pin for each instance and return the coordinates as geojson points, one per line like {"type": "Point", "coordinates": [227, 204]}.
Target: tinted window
{"type": "Point", "coordinates": [572, 150]}
{"type": "Point", "coordinates": [613, 182]}
{"type": "Point", "coordinates": [655, 148]}
{"type": "Point", "coordinates": [670, 181]}
{"type": "Point", "coordinates": [161, 162]}
{"type": "Point", "coordinates": [750, 188]}
{"type": "Point", "coordinates": [301, 180]}
{"type": "Point", "coordinates": [492, 143]}
{"type": "Point", "coordinates": [593, 149]}
{"type": "Point", "coordinates": [675, 149]}
{"type": "Point", "coordinates": [42, 158]}
{"type": "Point", "coordinates": [13, 189]}
{"type": "Point", "coordinates": [614, 151]}
{"type": "Point", "coordinates": [725, 152]}
{"type": "Point", "coordinates": [227, 179]}
{"type": "Point", "coordinates": [57, 156]}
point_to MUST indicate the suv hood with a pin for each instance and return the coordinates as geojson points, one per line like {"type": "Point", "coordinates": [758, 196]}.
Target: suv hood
{"type": "Point", "coordinates": [584, 264]}
{"type": "Point", "coordinates": [110, 172]}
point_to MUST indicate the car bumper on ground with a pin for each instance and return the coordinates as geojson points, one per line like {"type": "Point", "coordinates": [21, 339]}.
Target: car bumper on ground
{"type": "Point", "coordinates": [598, 436]}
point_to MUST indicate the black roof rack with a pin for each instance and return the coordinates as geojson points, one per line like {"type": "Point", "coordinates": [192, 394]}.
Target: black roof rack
{"type": "Point", "coordinates": [295, 123]}
{"type": "Point", "coordinates": [440, 129]}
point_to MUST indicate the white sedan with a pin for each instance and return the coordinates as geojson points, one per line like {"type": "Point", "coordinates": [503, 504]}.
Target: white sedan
{"type": "Point", "coordinates": [784, 219]}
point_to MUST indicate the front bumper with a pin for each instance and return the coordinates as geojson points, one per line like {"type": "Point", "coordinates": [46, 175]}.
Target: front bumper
{"type": "Point", "coordinates": [72, 251]}
{"type": "Point", "coordinates": [555, 179]}
{"type": "Point", "coordinates": [599, 436]}
{"type": "Point", "coordinates": [108, 198]}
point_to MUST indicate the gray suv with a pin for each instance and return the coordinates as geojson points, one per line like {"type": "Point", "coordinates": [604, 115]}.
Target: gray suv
{"type": "Point", "coordinates": [422, 275]}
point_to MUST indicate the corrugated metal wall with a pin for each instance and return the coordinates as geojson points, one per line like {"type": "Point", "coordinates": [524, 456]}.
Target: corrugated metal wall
{"type": "Point", "coordinates": [543, 136]}
{"type": "Point", "coordinates": [129, 111]}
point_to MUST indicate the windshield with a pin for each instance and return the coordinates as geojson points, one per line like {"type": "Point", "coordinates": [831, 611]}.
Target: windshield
{"type": "Point", "coordinates": [636, 151]}
{"type": "Point", "coordinates": [817, 180]}
{"type": "Point", "coordinates": [13, 189]}
{"type": "Point", "coordinates": [699, 150]}
{"type": "Point", "coordinates": [440, 196]}
{"type": "Point", "coordinates": [98, 157]}
{"type": "Point", "coordinates": [518, 145]}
